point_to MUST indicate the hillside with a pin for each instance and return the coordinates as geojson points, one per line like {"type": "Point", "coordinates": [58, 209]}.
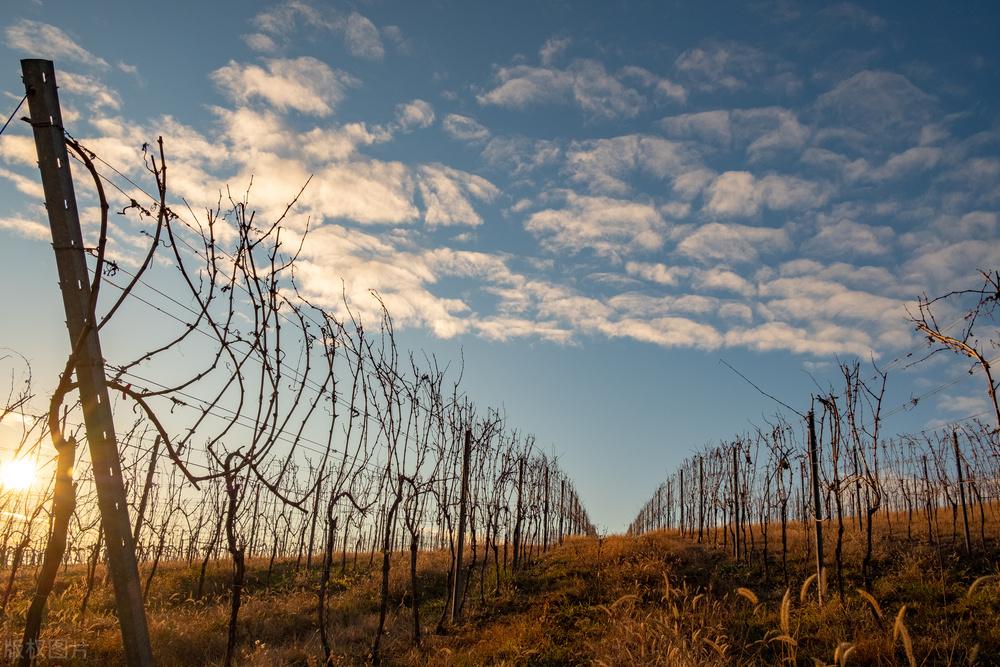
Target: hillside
{"type": "Point", "coordinates": [622, 600]}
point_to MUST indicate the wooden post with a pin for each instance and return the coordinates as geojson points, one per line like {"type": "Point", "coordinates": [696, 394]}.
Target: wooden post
{"type": "Point", "coordinates": [961, 491]}
{"type": "Point", "coordinates": [670, 504]}
{"type": "Point", "coordinates": [74, 282]}
{"type": "Point", "coordinates": [736, 501]}
{"type": "Point", "coordinates": [701, 498]}
{"type": "Point", "coordinates": [545, 512]}
{"type": "Point", "coordinates": [141, 512]}
{"type": "Point", "coordinates": [927, 498]}
{"type": "Point", "coordinates": [518, 514]}
{"type": "Point", "coordinates": [682, 502]}
{"type": "Point", "coordinates": [659, 507]}
{"type": "Point", "coordinates": [817, 500]}
{"type": "Point", "coordinates": [463, 510]}
{"type": "Point", "coordinates": [562, 507]}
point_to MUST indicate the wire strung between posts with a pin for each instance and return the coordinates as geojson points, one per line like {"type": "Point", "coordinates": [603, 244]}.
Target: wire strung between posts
{"type": "Point", "coordinates": [294, 372]}
{"type": "Point", "coordinates": [13, 113]}
{"type": "Point", "coordinates": [189, 246]}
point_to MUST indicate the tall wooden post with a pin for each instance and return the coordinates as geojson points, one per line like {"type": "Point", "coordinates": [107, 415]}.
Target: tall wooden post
{"type": "Point", "coordinates": [74, 282]}
{"type": "Point", "coordinates": [701, 497]}
{"type": "Point", "coordinates": [518, 513]}
{"type": "Point", "coordinates": [670, 504]}
{"type": "Point", "coordinates": [817, 500]}
{"type": "Point", "coordinates": [562, 507]}
{"type": "Point", "coordinates": [927, 498]}
{"type": "Point", "coordinates": [659, 508]}
{"type": "Point", "coordinates": [961, 491]}
{"type": "Point", "coordinates": [681, 497]}
{"type": "Point", "coordinates": [736, 501]}
{"type": "Point", "coordinates": [463, 511]}
{"type": "Point", "coordinates": [545, 512]}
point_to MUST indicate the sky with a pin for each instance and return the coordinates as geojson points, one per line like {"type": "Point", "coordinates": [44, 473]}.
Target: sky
{"type": "Point", "coordinates": [591, 204]}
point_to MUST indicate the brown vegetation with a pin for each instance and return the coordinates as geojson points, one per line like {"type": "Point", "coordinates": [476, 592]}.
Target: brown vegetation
{"type": "Point", "coordinates": [652, 599]}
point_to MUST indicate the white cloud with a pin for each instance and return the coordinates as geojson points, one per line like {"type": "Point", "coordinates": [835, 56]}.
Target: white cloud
{"type": "Point", "coordinates": [723, 280]}
{"type": "Point", "coordinates": [731, 66]}
{"type": "Point", "coordinates": [520, 155]}
{"type": "Point", "coordinates": [767, 130]}
{"type": "Point", "coordinates": [656, 273]}
{"type": "Point", "coordinates": [878, 105]}
{"type": "Point", "coordinates": [665, 332]}
{"type": "Point", "coordinates": [464, 128]}
{"type": "Point", "coordinates": [690, 184]}
{"type": "Point", "coordinates": [662, 88]}
{"type": "Point", "coordinates": [258, 41]}
{"type": "Point", "coordinates": [522, 86]}
{"type": "Point", "coordinates": [939, 267]}
{"type": "Point", "coordinates": [606, 165]}
{"type": "Point", "coordinates": [18, 149]}
{"type": "Point", "coordinates": [361, 37]}
{"type": "Point", "coordinates": [337, 261]}
{"type": "Point", "coordinates": [734, 193]}
{"type": "Point", "coordinates": [552, 49]}
{"type": "Point", "coordinates": [822, 340]}
{"type": "Point", "coordinates": [99, 95]}
{"type": "Point", "coordinates": [31, 187]}
{"type": "Point", "coordinates": [24, 227]}
{"type": "Point", "coordinates": [414, 114]}
{"type": "Point", "coordinates": [810, 298]}
{"type": "Point", "coordinates": [711, 127]}
{"type": "Point", "coordinates": [304, 84]}
{"type": "Point", "coordinates": [630, 196]}
{"type": "Point", "coordinates": [42, 40]}
{"type": "Point", "coordinates": [845, 237]}
{"type": "Point", "coordinates": [585, 83]}
{"type": "Point", "coordinates": [977, 224]}
{"type": "Point", "coordinates": [739, 193]}
{"type": "Point", "coordinates": [341, 142]}
{"type": "Point", "coordinates": [447, 193]}
{"type": "Point", "coordinates": [964, 405]}
{"type": "Point", "coordinates": [916, 159]}
{"type": "Point", "coordinates": [367, 191]}
{"type": "Point", "coordinates": [758, 131]}
{"type": "Point", "coordinates": [860, 276]}
{"type": "Point", "coordinates": [732, 243]}
{"type": "Point", "coordinates": [610, 227]}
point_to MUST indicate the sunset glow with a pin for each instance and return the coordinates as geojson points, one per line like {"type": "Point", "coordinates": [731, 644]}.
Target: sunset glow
{"type": "Point", "coordinates": [17, 475]}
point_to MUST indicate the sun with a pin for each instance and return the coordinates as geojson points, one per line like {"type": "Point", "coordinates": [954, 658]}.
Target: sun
{"type": "Point", "coordinates": [17, 475]}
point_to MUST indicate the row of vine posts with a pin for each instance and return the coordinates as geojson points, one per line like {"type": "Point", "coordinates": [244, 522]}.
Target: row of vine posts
{"type": "Point", "coordinates": [832, 468]}
{"type": "Point", "coordinates": [259, 424]}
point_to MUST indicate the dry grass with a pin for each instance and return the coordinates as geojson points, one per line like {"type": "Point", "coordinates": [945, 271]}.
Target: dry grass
{"type": "Point", "coordinates": [649, 600]}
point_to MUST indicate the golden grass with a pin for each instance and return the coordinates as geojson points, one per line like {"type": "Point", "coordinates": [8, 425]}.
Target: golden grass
{"type": "Point", "coordinates": [654, 599]}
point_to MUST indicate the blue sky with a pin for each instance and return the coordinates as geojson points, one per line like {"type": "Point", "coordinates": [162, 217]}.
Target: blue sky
{"type": "Point", "coordinates": [594, 204]}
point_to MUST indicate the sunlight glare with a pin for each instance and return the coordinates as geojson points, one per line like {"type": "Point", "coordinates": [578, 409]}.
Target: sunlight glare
{"type": "Point", "coordinates": [17, 475]}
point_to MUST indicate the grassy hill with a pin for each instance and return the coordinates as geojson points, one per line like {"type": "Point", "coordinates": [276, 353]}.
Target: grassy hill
{"type": "Point", "coordinates": [655, 599]}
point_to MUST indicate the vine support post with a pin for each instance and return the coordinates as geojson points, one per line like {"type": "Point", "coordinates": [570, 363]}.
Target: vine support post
{"type": "Point", "coordinates": [74, 283]}
{"type": "Point", "coordinates": [518, 513]}
{"type": "Point", "coordinates": [681, 497]}
{"type": "Point", "coordinates": [545, 511]}
{"type": "Point", "coordinates": [817, 502]}
{"type": "Point", "coordinates": [562, 495]}
{"type": "Point", "coordinates": [736, 501]}
{"type": "Point", "coordinates": [961, 491]}
{"type": "Point", "coordinates": [463, 510]}
{"type": "Point", "coordinates": [701, 498]}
